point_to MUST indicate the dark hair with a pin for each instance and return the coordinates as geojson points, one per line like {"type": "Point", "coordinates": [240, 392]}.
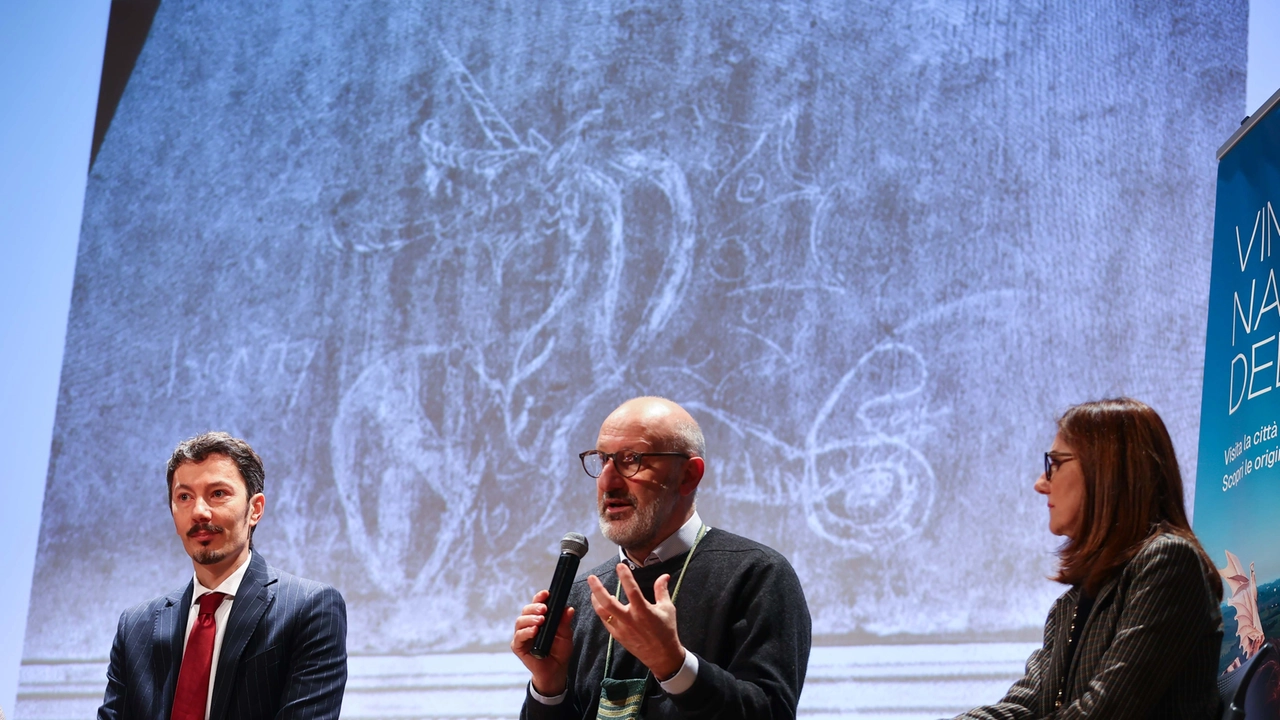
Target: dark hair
{"type": "Point", "coordinates": [199, 448]}
{"type": "Point", "coordinates": [1133, 490]}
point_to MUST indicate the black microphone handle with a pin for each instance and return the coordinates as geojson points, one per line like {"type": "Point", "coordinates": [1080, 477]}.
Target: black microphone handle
{"type": "Point", "coordinates": [560, 584]}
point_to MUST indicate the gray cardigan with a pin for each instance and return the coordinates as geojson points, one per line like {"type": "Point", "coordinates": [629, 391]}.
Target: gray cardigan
{"type": "Point", "coordinates": [1149, 648]}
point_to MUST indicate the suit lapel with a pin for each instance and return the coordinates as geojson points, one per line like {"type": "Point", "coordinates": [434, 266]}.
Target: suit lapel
{"type": "Point", "coordinates": [256, 592]}
{"type": "Point", "coordinates": [168, 637]}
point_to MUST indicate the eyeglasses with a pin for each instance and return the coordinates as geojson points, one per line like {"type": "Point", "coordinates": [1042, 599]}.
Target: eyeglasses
{"type": "Point", "coordinates": [626, 462]}
{"type": "Point", "coordinates": [1053, 461]}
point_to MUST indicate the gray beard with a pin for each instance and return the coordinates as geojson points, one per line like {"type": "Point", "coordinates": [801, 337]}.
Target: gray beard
{"type": "Point", "coordinates": [642, 529]}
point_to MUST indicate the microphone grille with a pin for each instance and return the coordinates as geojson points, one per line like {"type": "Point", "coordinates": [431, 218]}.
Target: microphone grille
{"type": "Point", "coordinates": [574, 544]}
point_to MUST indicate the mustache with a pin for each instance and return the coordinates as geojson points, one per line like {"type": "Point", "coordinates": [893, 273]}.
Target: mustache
{"type": "Point", "coordinates": [619, 495]}
{"type": "Point", "coordinates": [204, 527]}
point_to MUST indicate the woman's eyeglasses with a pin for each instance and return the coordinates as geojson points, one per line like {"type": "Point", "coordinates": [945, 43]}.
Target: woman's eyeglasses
{"type": "Point", "coordinates": [1053, 461]}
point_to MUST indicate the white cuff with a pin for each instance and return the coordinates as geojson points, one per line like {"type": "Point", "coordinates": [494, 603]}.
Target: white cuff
{"type": "Point", "coordinates": [684, 677]}
{"type": "Point", "coordinates": [545, 700]}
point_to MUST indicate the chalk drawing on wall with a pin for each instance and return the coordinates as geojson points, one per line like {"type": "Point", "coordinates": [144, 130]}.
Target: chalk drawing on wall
{"type": "Point", "coordinates": [541, 237]}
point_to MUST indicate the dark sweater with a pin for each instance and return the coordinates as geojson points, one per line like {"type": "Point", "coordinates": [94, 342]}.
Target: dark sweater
{"type": "Point", "coordinates": [740, 610]}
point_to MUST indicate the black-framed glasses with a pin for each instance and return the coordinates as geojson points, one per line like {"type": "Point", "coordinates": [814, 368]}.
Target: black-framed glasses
{"type": "Point", "coordinates": [1053, 461]}
{"type": "Point", "coordinates": [626, 462]}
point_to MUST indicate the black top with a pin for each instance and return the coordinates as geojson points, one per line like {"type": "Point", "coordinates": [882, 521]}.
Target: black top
{"type": "Point", "coordinates": [1083, 607]}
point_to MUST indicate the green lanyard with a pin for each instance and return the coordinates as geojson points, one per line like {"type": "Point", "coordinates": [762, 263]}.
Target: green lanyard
{"type": "Point", "coordinates": [617, 594]}
{"type": "Point", "coordinates": [622, 699]}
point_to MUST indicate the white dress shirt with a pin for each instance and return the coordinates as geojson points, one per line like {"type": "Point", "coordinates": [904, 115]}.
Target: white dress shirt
{"type": "Point", "coordinates": [680, 542]}
{"type": "Point", "coordinates": [230, 586]}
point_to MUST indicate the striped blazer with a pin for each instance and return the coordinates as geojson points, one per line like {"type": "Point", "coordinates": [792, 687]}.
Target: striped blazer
{"type": "Point", "coordinates": [1149, 648]}
{"type": "Point", "coordinates": [284, 652]}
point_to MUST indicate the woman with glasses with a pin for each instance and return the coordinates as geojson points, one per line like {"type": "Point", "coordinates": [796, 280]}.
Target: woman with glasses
{"type": "Point", "coordinates": [1139, 632]}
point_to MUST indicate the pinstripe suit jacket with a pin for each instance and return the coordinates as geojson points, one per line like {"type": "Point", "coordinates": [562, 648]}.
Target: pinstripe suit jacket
{"type": "Point", "coordinates": [284, 652]}
{"type": "Point", "coordinates": [1149, 648]}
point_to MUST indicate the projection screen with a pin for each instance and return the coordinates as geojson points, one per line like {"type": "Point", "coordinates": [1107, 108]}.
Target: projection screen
{"type": "Point", "coordinates": [415, 252]}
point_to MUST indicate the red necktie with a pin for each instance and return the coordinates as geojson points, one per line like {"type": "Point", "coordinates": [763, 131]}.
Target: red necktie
{"type": "Point", "coordinates": [193, 679]}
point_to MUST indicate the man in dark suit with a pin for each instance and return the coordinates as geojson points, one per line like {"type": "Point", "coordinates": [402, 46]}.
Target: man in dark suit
{"type": "Point", "coordinates": [242, 640]}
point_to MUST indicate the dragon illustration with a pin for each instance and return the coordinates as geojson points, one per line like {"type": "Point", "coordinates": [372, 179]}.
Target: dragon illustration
{"type": "Point", "coordinates": [1244, 598]}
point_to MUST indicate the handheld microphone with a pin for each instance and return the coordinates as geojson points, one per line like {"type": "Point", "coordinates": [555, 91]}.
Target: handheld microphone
{"type": "Point", "coordinates": [572, 547]}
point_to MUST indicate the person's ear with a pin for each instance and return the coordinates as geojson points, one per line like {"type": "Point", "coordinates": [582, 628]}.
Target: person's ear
{"type": "Point", "coordinates": [257, 504]}
{"type": "Point", "coordinates": [694, 467]}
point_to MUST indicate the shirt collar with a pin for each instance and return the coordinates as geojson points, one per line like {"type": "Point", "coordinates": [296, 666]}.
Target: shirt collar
{"type": "Point", "coordinates": [680, 542]}
{"type": "Point", "coordinates": [230, 586]}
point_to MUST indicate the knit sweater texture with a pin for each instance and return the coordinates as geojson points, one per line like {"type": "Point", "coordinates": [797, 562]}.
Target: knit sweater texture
{"type": "Point", "coordinates": [740, 610]}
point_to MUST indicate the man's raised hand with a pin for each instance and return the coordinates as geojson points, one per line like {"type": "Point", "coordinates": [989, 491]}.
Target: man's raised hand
{"type": "Point", "coordinates": [646, 629]}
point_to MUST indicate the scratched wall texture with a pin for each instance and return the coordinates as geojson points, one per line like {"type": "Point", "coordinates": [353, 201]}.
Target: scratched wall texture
{"type": "Point", "coordinates": [415, 252]}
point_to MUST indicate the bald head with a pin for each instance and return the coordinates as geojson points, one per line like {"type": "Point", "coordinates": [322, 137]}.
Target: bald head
{"type": "Point", "coordinates": [663, 423]}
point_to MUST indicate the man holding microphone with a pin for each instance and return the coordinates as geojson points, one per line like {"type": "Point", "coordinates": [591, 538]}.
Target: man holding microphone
{"type": "Point", "coordinates": [688, 621]}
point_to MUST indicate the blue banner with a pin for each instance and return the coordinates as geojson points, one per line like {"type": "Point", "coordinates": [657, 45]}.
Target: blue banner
{"type": "Point", "coordinates": [1238, 479]}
